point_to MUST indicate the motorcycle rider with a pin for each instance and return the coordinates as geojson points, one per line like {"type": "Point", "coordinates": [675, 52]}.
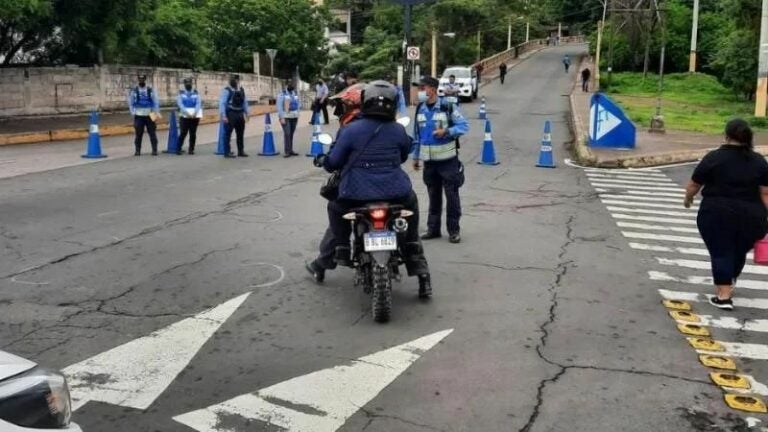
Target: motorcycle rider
{"type": "Point", "coordinates": [376, 146]}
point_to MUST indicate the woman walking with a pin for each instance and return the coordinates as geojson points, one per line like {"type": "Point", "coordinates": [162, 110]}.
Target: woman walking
{"type": "Point", "coordinates": [732, 214]}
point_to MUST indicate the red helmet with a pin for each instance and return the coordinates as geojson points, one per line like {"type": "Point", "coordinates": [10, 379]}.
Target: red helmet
{"type": "Point", "coordinates": [352, 95]}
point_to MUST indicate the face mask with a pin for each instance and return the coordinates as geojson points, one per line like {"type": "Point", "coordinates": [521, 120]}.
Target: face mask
{"type": "Point", "coordinates": [423, 96]}
{"type": "Point", "coordinates": [142, 84]}
{"type": "Point", "coordinates": [233, 83]}
{"type": "Point", "coordinates": [188, 87]}
{"type": "Point", "coordinates": [290, 89]}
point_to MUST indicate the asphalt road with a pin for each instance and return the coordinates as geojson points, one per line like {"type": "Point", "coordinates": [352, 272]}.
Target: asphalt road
{"type": "Point", "coordinates": [172, 292]}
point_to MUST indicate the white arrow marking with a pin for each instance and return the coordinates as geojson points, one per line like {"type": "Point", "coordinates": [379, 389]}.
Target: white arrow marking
{"type": "Point", "coordinates": [136, 373]}
{"type": "Point", "coordinates": [321, 401]}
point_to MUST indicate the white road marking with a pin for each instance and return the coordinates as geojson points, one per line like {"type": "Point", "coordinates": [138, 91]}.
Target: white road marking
{"type": "Point", "coordinates": [642, 172]}
{"type": "Point", "coordinates": [622, 183]}
{"type": "Point", "coordinates": [653, 212]}
{"type": "Point", "coordinates": [680, 195]}
{"type": "Point", "coordinates": [14, 280]}
{"type": "Point", "coordinates": [109, 213]}
{"type": "Point", "coordinates": [657, 227]}
{"type": "Point", "coordinates": [601, 190]}
{"type": "Point", "coordinates": [653, 180]}
{"type": "Point", "coordinates": [742, 350]}
{"type": "Point", "coordinates": [639, 188]}
{"type": "Point", "coordinates": [321, 401]}
{"type": "Point", "coordinates": [732, 323]}
{"type": "Point", "coordinates": [706, 265]}
{"type": "Point", "coordinates": [653, 219]}
{"type": "Point", "coordinates": [706, 280]}
{"type": "Point", "coordinates": [755, 387]}
{"type": "Point", "coordinates": [645, 204]}
{"type": "Point", "coordinates": [662, 237]}
{"type": "Point", "coordinates": [274, 282]}
{"type": "Point", "coordinates": [136, 373]}
{"type": "Point", "coordinates": [680, 250]}
{"type": "Point", "coordinates": [642, 198]}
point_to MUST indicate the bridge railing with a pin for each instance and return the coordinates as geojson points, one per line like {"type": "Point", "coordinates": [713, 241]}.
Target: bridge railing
{"type": "Point", "coordinates": [490, 65]}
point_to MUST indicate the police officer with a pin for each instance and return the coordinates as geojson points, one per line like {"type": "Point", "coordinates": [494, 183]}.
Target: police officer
{"type": "Point", "coordinates": [233, 109]}
{"type": "Point", "coordinates": [452, 90]}
{"type": "Point", "coordinates": [436, 131]}
{"type": "Point", "coordinates": [145, 108]}
{"type": "Point", "coordinates": [190, 113]}
{"type": "Point", "coordinates": [288, 106]}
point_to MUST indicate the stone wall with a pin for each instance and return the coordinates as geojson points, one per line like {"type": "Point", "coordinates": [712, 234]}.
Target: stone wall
{"type": "Point", "coordinates": [28, 91]}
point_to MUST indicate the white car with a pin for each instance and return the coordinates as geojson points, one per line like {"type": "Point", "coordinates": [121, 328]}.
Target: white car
{"type": "Point", "coordinates": [466, 78]}
{"type": "Point", "coordinates": [33, 399]}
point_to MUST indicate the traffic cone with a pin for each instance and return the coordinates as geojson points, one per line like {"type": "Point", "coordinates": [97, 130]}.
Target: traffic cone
{"type": "Point", "coordinates": [545, 155]}
{"type": "Point", "coordinates": [268, 145]}
{"type": "Point", "coordinates": [316, 148]}
{"type": "Point", "coordinates": [220, 147]}
{"type": "Point", "coordinates": [489, 154]}
{"type": "Point", "coordinates": [173, 135]}
{"type": "Point", "coordinates": [483, 115]}
{"type": "Point", "coordinates": [93, 151]}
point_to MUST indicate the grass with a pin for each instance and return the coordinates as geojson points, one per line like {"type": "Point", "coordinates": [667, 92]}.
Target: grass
{"type": "Point", "coordinates": [690, 102]}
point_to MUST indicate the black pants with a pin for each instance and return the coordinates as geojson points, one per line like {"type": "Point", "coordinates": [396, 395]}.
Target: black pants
{"type": "Point", "coordinates": [585, 84]}
{"type": "Point", "coordinates": [501, 77]}
{"type": "Point", "coordinates": [415, 261]}
{"type": "Point", "coordinates": [139, 124]}
{"type": "Point", "coordinates": [188, 125]}
{"type": "Point", "coordinates": [443, 176]}
{"type": "Point", "coordinates": [729, 233]}
{"type": "Point", "coordinates": [235, 122]}
{"type": "Point", "coordinates": [321, 106]}
{"type": "Point", "coordinates": [289, 129]}
{"type": "Point", "coordinates": [327, 251]}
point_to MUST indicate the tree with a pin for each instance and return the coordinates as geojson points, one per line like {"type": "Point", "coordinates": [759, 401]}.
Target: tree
{"type": "Point", "coordinates": [24, 26]}
{"type": "Point", "coordinates": [739, 70]}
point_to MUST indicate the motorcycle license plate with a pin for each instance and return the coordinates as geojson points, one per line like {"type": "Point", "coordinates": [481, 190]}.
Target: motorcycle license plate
{"type": "Point", "coordinates": [452, 99]}
{"type": "Point", "coordinates": [380, 241]}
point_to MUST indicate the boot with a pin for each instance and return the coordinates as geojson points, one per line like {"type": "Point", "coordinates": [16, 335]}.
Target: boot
{"type": "Point", "coordinates": [317, 272]}
{"type": "Point", "coordinates": [425, 286]}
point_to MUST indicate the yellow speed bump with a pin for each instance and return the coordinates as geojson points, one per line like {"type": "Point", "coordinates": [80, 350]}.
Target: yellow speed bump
{"type": "Point", "coordinates": [705, 344]}
{"type": "Point", "coordinates": [717, 362]}
{"type": "Point", "coordinates": [685, 316]}
{"type": "Point", "coordinates": [730, 380]}
{"type": "Point", "coordinates": [676, 305]}
{"type": "Point", "coordinates": [693, 330]}
{"type": "Point", "coordinates": [746, 403]}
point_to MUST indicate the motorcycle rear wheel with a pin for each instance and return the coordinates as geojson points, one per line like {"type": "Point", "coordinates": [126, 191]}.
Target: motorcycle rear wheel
{"type": "Point", "coordinates": [382, 294]}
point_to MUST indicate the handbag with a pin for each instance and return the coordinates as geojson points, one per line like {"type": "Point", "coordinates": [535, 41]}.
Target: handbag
{"type": "Point", "coordinates": [330, 190]}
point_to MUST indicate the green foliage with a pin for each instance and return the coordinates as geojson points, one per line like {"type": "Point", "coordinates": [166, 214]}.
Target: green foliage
{"type": "Point", "coordinates": [739, 69]}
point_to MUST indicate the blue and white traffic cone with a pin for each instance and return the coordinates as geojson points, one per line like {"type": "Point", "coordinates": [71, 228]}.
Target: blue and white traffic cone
{"type": "Point", "coordinates": [546, 159]}
{"type": "Point", "coordinates": [489, 154]}
{"type": "Point", "coordinates": [316, 148]}
{"type": "Point", "coordinates": [173, 135]}
{"type": "Point", "coordinates": [268, 144]}
{"type": "Point", "coordinates": [220, 146]}
{"type": "Point", "coordinates": [483, 115]}
{"type": "Point", "coordinates": [93, 150]}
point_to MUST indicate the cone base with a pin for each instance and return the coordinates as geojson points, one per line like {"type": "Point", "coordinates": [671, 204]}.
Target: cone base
{"type": "Point", "coordinates": [488, 163]}
{"type": "Point", "coordinates": [313, 155]}
{"type": "Point", "coordinates": [269, 154]}
{"type": "Point", "coordinates": [545, 166]}
{"type": "Point", "coordinates": [101, 156]}
{"type": "Point", "coordinates": [219, 153]}
{"type": "Point", "coordinates": [172, 151]}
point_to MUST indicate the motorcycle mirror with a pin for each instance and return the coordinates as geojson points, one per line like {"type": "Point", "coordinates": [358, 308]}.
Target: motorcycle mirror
{"type": "Point", "coordinates": [405, 121]}
{"type": "Point", "coordinates": [325, 139]}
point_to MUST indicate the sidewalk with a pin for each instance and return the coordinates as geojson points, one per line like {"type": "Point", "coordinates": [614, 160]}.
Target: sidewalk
{"type": "Point", "coordinates": [651, 149]}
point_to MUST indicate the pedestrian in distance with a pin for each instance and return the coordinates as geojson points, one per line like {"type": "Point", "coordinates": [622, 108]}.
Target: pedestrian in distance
{"type": "Point", "coordinates": [502, 72]}
{"type": "Point", "coordinates": [436, 131]}
{"type": "Point", "coordinates": [321, 101]}
{"type": "Point", "coordinates": [288, 106]}
{"type": "Point", "coordinates": [567, 63]}
{"type": "Point", "coordinates": [586, 74]}
{"type": "Point", "coordinates": [145, 109]}
{"type": "Point", "coordinates": [233, 109]}
{"type": "Point", "coordinates": [350, 78]}
{"type": "Point", "coordinates": [733, 181]}
{"type": "Point", "coordinates": [190, 112]}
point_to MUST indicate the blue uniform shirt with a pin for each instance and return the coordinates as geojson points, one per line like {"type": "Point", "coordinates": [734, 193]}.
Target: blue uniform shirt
{"type": "Point", "coordinates": [429, 119]}
{"type": "Point", "coordinates": [144, 99]}
{"type": "Point", "coordinates": [189, 100]}
{"type": "Point", "coordinates": [294, 105]}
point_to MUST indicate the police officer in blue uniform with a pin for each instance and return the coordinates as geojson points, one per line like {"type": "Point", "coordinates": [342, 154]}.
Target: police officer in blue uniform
{"type": "Point", "coordinates": [233, 109]}
{"type": "Point", "coordinates": [288, 106]}
{"type": "Point", "coordinates": [190, 113]}
{"type": "Point", "coordinates": [436, 131]}
{"type": "Point", "coordinates": [143, 102]}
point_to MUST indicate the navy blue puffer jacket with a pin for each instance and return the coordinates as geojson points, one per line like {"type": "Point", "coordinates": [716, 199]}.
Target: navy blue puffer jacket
{"type": "Point", "coordinates": [374, 174]}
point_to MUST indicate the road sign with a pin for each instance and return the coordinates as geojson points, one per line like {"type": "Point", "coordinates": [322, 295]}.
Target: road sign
{"type": "Point", "coordinates": [413, 53]}
{"type": "Point", "coordinates": [271, 53]}
{"type": "Point", "coordinates": [608, 125]}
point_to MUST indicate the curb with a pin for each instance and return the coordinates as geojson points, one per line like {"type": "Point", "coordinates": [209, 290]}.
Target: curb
{"type": "Point", "coordinates": [115, 130]}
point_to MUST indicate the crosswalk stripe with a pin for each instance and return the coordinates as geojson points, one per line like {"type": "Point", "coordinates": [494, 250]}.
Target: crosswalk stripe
{"type": "Point", "coordinates": [653, 212]}
{"type": "Point", "coordinates": [646, 236]}
{"type": "Point", "coordinates": [731, 323]}
{"type": "Point", "coordinates": [642, 198]}
{"type": "Point", "coordinates": [705, 265]}
{"type": "Point", "coordinates": [632, 182]}
{"type": "Point", "coordinates": [741, 350]}
{"type": "Point", "coordinates": [642, 188]}
{"type": "Point", "coordinates": [680, 250]}
{"type": "Point", "coordinates": [649, 173]}
{"type": "Point", "coordinates": [645, 204]}
{"type": "Point", "coordinates": [678, 195]}
{"type": "Point", "coordinates": [657, 227]}
{"type": "Point", "coordinates": [738, 301]}
{"type": "Point", "coordinates": [654, 219]}
{"type": "Point", "coordinates": [629, 177]}
{"type": "Point", "coordinates": [706, 280]}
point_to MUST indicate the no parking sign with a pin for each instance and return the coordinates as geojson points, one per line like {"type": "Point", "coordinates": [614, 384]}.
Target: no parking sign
{"type": "Point", "coordinates": [413, 53]}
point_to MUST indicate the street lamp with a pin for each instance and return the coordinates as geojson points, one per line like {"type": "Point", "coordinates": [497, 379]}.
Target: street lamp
{"type": "Point", "coordinates": [272, 53]}
{"type": "Point", "coordinates": [434, 49]}
{"type": "Point", "coordinates": [600, 26]}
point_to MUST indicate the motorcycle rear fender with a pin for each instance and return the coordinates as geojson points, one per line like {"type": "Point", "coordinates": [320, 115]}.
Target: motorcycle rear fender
{"type": "Point", "coordinates": [381, 258]}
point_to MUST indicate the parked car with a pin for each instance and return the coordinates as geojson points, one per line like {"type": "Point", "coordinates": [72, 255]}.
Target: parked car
{"type": "Point", "coordinates": [466, 78]}
{"type": "Point", "coordinates": [33, 398]}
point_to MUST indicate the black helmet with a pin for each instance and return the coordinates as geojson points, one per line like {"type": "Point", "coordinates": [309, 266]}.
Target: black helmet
{"type": "Point", "coordinates": [379, 100]}
{"type": "Point", "coordinates": [187, 81]}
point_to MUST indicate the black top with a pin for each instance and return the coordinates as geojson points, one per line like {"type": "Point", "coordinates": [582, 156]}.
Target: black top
{"type": "Point", "coordinates": [732, 175]}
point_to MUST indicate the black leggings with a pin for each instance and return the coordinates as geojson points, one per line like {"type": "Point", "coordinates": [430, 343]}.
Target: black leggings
{"type": "Point", "coordinates": [729, 234]}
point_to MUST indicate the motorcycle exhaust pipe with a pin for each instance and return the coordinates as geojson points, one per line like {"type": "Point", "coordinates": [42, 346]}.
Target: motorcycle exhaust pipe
{"type": "Point", "coordinates": [400, 225]}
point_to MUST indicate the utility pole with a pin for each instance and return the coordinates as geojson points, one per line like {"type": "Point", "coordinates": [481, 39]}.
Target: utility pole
{"type": "Point", "coordinates": [479, 34]}
{"type": "Point", "coordinates": [600, 26]}
{"type": "Point", "coordinates": [509, 34]}
{"type": "Point", "coordinates": [694, 36]}
{"type": "Point", "coordinates": [434, 50]}
{"type": "Point", "coordinates": [762, 67]}
{"type": "Point", "coordinates": [657, 122]}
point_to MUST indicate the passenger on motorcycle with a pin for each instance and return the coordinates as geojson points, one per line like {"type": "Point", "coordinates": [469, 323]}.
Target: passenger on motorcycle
{"type": "Point", "coordinates": [370, 152]}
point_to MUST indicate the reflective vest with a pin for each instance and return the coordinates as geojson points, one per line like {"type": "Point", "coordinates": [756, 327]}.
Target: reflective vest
{"type": "Point", "coordinates": [430, 120]}
{"type": "Point", "coordinates": [142, 101]}
{"type": "Point", "coordinates": [293, 105]}
{"type": "Point", "coordinates": [189, 99]}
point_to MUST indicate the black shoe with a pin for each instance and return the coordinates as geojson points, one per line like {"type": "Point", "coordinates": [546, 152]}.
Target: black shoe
{"type": "Point", "coordinates": [455, 238]}
{"type": "Point", "coordinates": [191, 152]}
{"type": "Point", "coordinates": [430, 235]}
{"type": "Point", "coordinates": [725, 304]}
{"type": "Point", "coordinates": [242, 154]}
{"type": "Point", "coordinates": [180, 152]}
{"type": "Point", "coordinates": [137, 153]}
{"type": "Point", "coordinates": [154, 152]}
{"type": "Point", "coordinates": [229, 155]}
{"type": "Point", "coordinates": [287, 155]}
{"type": "Point", "coordinates": [294, 154]}
{"type": "Point", "coordinates": [317, 272]}
{"type": "Point", "coordinates": [425, 286]}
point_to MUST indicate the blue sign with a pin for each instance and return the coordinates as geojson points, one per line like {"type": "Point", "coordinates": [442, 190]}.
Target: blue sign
{"type": "Point", "coordinates": [609, 127]}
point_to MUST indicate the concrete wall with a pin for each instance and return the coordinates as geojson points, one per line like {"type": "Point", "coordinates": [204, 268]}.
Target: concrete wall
{"type": "Point", "coordinates": [64, 90]}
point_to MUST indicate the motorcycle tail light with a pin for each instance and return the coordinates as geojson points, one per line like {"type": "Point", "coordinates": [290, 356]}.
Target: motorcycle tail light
{"type": "Point", "coordinates": [378, 214]}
